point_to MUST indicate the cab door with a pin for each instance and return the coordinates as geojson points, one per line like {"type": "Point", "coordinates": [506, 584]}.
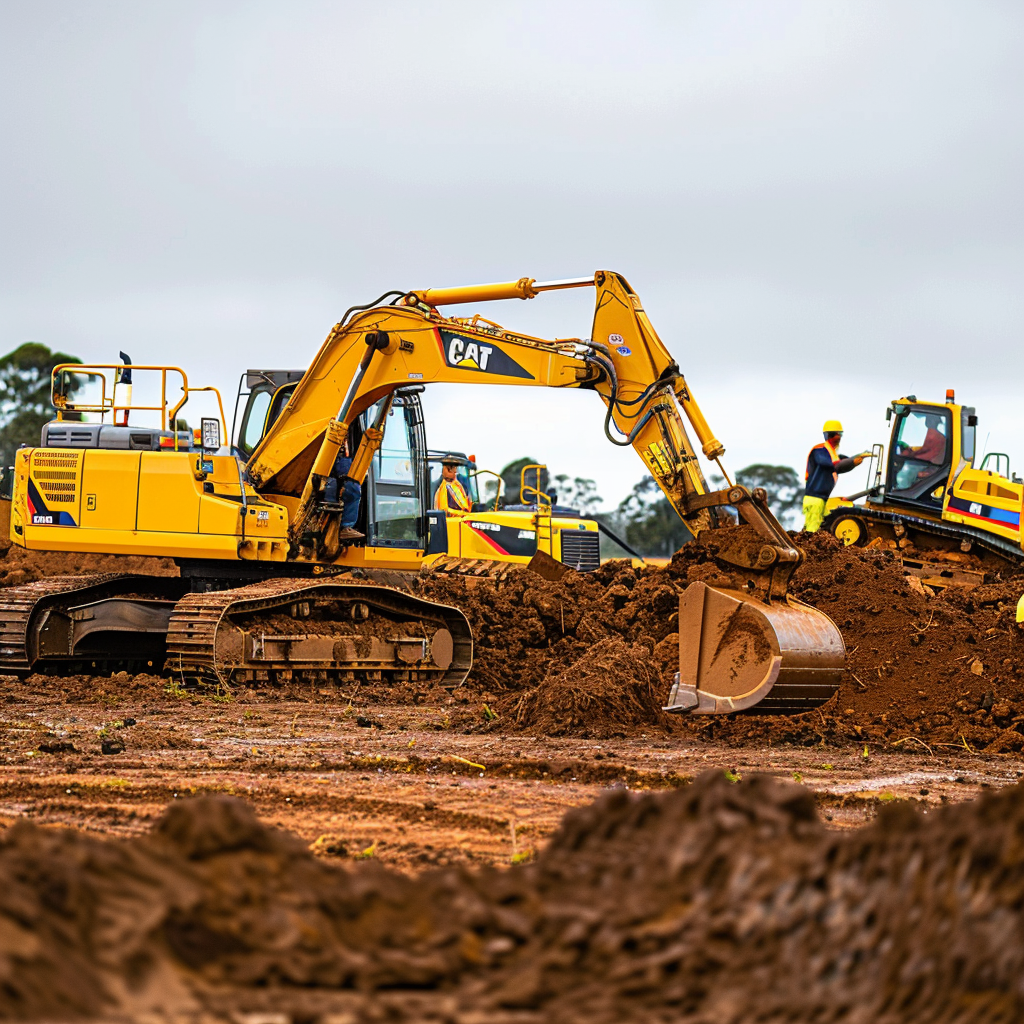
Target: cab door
{"type": "Point", "coordinates": [396, 484]}
{"type": "Point", "coordinates": [920, 457]}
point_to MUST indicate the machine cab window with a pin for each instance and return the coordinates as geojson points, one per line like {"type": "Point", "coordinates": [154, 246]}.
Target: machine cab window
{"type": "Point", "coordinates": [262, 396]}
{"type": "Point", "coordinates": [920, 456]}
{"type": "Point", "coordinates": [397, 478]}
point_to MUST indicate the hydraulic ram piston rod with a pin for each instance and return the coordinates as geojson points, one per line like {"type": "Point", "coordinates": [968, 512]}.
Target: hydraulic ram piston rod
{"type": "Point", "coordinates": [524, 288]}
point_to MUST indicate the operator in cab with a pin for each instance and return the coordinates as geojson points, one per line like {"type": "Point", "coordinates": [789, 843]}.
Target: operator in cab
{"type": "Point", "coordinates": [450, 494]}
{"type": "Point", "coordinates": [932, 449]}
{"type": "Point", "coordinates": [351, 494]}
{"type": "Point", "coordinates": [824, 464]}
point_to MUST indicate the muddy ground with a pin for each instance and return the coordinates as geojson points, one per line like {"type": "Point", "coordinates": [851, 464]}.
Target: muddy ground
{"type": "Point", "coordinates": [563, 701]}
{"type": "Point", "coordinates": [395, 779]}
{"type": "Point", "coordinates": [562, 709]}
{"type": "Point", "coordinates": [720, 901]}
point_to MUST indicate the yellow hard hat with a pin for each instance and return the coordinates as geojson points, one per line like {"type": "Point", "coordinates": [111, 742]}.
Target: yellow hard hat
{"type": "Point", "coordinates": [832, 427]}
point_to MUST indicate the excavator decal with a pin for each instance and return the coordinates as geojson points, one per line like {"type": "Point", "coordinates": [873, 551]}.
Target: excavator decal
{"type": "Point", "coordinates": [42, 516]}
{"type": "Point", "coordinates": [506, 540]}
{"type": "Point", "coordinates": [976, 510]}
{"type": "Point", "coordinates": [472, 354]}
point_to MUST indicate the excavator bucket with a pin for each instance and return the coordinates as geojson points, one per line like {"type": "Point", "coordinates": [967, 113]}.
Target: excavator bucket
{"type": "Point", "coordinates": [737, 653]}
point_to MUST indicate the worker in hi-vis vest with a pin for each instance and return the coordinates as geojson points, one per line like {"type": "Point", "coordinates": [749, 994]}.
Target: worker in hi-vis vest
{"type": "Point", "coordinates": [824, 464]}
{"type": "Point", "coordinates": [450, 494]}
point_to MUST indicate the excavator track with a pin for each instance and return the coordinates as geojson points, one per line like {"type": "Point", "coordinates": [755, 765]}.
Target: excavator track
{"type": "Point", "coordinates": [278, 630]}
{"type": "Point", "coordinates": [55, 624]}
{"type": "Point", "coordinates": [342, 629]}
{"type": "Point", "coordinates": [952, 534]}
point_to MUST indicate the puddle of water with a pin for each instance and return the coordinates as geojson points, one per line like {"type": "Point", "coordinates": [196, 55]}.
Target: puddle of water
{"type": "Point", "coordinates": [918, 778]}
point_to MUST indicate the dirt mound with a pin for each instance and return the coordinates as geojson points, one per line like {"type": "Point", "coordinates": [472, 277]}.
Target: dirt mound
{"type": "Point", "coordinates": [612, 683]}
{"type": "Point", "coordinates": [535, 643]}
{"type": "Point", "coordinates": [924, 670]}
{"type": "Point", "coordinates": [720, 901]}
{"type": "Point", "coordinates": [21, 566]}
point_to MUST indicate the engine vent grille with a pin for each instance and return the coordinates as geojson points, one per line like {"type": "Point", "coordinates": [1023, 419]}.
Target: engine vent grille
{"type": "Point", "coordinates": [581, 549]}
{"type": "Point", "coordinates": [56, 475]}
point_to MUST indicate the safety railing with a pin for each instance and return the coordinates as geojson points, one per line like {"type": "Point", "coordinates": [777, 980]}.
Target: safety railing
{"type": "Point", "coordinates": [116, 396]}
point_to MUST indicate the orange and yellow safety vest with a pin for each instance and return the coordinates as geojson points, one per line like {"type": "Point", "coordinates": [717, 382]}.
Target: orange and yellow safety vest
{"type": "Point", "coordinates": [452, 497]}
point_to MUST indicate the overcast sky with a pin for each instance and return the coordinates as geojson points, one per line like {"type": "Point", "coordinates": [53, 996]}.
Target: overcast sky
{"type": "Point", "coordinates": [819, 203]}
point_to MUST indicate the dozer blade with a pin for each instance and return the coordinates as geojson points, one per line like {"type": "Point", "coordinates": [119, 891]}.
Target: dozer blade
{"type": "Point", "coordinates": [737, 653]}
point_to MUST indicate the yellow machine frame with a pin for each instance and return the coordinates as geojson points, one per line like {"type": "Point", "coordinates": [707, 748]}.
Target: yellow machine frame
{"type": "Point", "coordinates": [195, 505]}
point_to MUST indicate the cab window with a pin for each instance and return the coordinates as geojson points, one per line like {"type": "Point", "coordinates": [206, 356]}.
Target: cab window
{"type": "Point", "coordinates": [967, 433]}
{"type": "Point", "coordinates": [922, 447]}
{"type": "Point", "coordinates": [255, 419]}
{"type": "Point", "coordinates": [397, 502]}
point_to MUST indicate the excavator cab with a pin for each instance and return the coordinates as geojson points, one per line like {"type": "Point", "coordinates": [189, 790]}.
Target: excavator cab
{"type": "Point", "coordinates": [921, 454]}
{"type": "Point", "coordinates": [262, 395]}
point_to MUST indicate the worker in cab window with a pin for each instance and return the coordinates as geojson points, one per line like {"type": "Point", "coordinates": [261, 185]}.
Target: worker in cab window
{"type": "Point", "coordinates": [824, 464]}
{"type": "Point", "coordinates": [450, 494]}
{"type": "Point", "coordinates": [933, 448]}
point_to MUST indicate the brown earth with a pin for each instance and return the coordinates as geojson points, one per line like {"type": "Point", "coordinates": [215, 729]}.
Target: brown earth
{"type": "Point", "coordinates": [925, 670]}
{"type": "Point", "coordinates": [692, 901]}
{"type": "Point", "coordinates": [21, 566]}
{"type": "Point", "coordinates": [593, 654]}
{"type": "Point", "coordinates": [716, 902]}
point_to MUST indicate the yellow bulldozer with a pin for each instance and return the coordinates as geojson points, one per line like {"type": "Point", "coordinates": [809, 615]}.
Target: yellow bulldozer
{"type": "Point", "coordinates": [270, 587]}
{"type": "Point", "coordinates": [930, 502]}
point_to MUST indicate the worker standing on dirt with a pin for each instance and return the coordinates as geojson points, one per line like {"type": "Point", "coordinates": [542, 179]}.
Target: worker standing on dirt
{"type": "Point", "coordinates": [450, 494]}
{"type": "Point", "coordinates": [824, 464]}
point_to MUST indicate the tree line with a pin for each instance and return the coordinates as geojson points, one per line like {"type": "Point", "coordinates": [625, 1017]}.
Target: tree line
{"type": "Point", "coordinates": [25, 395]}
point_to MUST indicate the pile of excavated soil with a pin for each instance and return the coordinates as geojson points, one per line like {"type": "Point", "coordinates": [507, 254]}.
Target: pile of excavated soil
{"type": "Point", "coordinates": [593, 654]}
{"type": "Point", "coordinates": [717, 902]}
{"type": "Point", "coordinates": [923, 669]}
{"type": "Point", "coordinates": [21, 566]}
{"type": "Point", "coordinates": [612, 684]}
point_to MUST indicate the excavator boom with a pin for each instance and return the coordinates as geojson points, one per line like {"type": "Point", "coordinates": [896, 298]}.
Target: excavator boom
{"type": "Point", "coordinates": [381, 349]}
{"type": "Point", "coordinates": [269, 586]}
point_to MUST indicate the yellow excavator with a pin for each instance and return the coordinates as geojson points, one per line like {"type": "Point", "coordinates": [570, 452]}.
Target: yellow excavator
{"type": "Point", "coordinates": [930, 502]}
{"type": "Point", "coordinates": [268, 590]}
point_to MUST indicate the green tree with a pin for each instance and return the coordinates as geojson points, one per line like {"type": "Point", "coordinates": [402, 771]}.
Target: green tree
{"type": "Point", "coordinates": [650, 522]}
{"type": "Point", "coordinates": [25, 395]}
{"type": "Point", "coordinates": [784, 487]}
{"type": "Point", "coordinates": [579, 493]}
{"type": "Point", "coordinates": [510, 476]}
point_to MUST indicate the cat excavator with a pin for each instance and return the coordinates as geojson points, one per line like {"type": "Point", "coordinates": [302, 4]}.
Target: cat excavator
{"type": "Point", "coordinates": [267, 590]}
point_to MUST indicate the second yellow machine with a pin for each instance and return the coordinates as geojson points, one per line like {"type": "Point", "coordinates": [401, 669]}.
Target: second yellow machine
{"type": "Point", "coordinates": [267, 585]}
{"type": "Point", "coordinates": [930, 501]}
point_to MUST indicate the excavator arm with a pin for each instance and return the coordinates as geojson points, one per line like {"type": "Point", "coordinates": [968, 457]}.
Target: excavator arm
{"type": "Point", "coordinates": [748, 646]}
{"type": "Point", "coordinates": [379, 350]}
